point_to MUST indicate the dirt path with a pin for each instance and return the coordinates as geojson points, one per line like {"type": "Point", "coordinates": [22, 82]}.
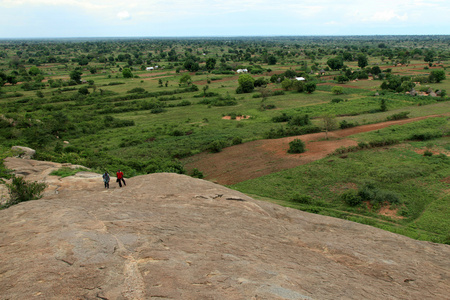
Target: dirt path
{"type": "Point", "coordinates": [258, 158]}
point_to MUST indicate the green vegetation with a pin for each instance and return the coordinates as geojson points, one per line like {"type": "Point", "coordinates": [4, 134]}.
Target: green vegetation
{"type": "Point", "coordinates": [65, 171]}
{"type": "Point", "coordinates": [355, 186]}
{"type": "Point", "coordinates": [144, 105]}
{"type": "Point", "coordinates": [21, 190]}
{"type": "Point", "coordinates": [296, 146]}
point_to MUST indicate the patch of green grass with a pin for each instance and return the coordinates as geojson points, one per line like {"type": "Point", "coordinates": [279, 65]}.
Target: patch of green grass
{"type": "Point", "coordinates": [434, 127]}
{"type": "Point", "coordinates": [65, 171]}
{"type": "Point", "coordinates": [413, 178]}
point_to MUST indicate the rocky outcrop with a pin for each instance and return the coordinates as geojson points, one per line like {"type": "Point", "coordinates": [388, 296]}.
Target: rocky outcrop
{"type": "Point", "coordinates": [169, 236]}
{"type": "Point", "coordinates": [23, 152]}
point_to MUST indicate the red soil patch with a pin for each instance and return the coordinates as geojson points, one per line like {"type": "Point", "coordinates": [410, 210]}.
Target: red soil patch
{"type": "Point", "coordinates": [386, 210]}
{"type": "Point", "coordinates": [262, 157]}
{"type": "Point", "coordinates": [238, 118]}
{"type": "Point", "coordinates": [446, 180]}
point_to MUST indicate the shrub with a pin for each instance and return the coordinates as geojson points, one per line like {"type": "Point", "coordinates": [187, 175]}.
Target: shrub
{"type": "Point", "coordinates": [157, 110]}
{"type": "Point", "coordinates": [184, 103]}
{"type": "Point", "coordinates": [197, 174]}
{"type": "Point", "coordinates": [351, 198]}
{"type": "Point", "coordinates": [426, 135]}
{"type": "Point", "coordinates": [363, 145]}
{"type": "Point", "coordinates": [290, 131]}
{"type": "Point", "coordinates": [304, 199]}
{"type": "Point", "coordinates": [376, 196]}
{"type": "Point", "coordinates": [277, 93]}
{"type": "Point", "coordinates": [296, 146]}
{"type": "Point", "coordinates": [399, 116]}
{"type": "Point", "coordinates": [382, 142]}
{"type": "Point", "coordinates": [299, 121]}
{"type": "Point", "coordinates": [21, 190]}
{"type": "Point", "coordinates": [177, 132]}
{"type": "Point", "coordinates": [216, 146]}
{"type": "Point", "coordinates": [283, 118]}
{"type": "Point", "coordinates": [337, 100]}
{"type": "Point", "coordinates": [344, 124]}
{"type": "Point", "coordinates": [428, 153]}
{"type": "Point", "coordinates": [236, 141]}
{"type": "Point", "coordinates": [136, 90]}
{"type": "Point", "coordinates": [337, 90]}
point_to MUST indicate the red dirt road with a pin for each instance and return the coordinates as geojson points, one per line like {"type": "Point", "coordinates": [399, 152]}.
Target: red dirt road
{"type": "Point", "coordinates": [258, 158]}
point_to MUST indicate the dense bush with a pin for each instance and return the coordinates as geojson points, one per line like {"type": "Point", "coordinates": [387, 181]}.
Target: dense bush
{"type": "Point", "coordinates": [425, 135]}
{"type": "Point", "coordinates": [399, 116]}
{"type": "Point", "coordinates": [197, 174]}
{"type": "Point", "coordinates": [290, 131]}
{"type": "Point", "coordinates": [282, 118]}
{"type": "Point", "coordinates": [302, 120]}
{"type": "Point", "coordinates": [112, 122]}
{"type": "Point", "coordinates": [296, 146]}
{"type": "Point", "coordinates": [278, 93]}
{"type": "Point", "coordinates": [216, 146]}
{"type": "Point", "coordinates": [344, 124]}
{"type": "Point", "coordinates": [336, 100]}
{"type": "Point", "coordinates": [375, 195]}
{"type": "Point", "coordinates": [351, 198]}
{"type": "Point", "coordinates": [236, 140]}
{"type": "Point", "coordinates": [21, 190]}
{"type": "Point", "coordinates": [136, 90]}
{"type": "Point", "coordinates": [303, 199]}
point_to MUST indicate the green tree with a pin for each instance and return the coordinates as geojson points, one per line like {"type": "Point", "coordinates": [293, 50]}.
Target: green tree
{"type": "Point", "coordinates": [83, 90]}
{"type": "Point", "coordinates": [286, 84]}
{"type": "Point", "coordinates": [347, 56]}
{"type": "Point", "coordinates": [127, 73]}
{"type": "Point", "coordinates": [375, 70]}
{"type": "Point", "coordinates": [337, 90]}
{"type": "Point", "coordinates": [362, 61]}
{"type": "Point", "coordinates": [329, 123]}
{"type": "Point", "coordinates": [205, 88]}
{"type": "Point", "coordinates": [437, 76]}
{"type": "Point", "coordinates": [34, 71]}
{"type": "Point", "coordinates": [310, 87]}
{"type": "Point", "coordinates": [429, 56]}
{"type": "Point", "coordinates": [13, 79]}
{"type": "Point", "coordinates": [383, 106]}
{"type": "Point", "coordinates": [272, 60]}
{"type": "Point", "coordinates": [75, 75]}
{"type": "Point", "coordinates": [342, 79]}
{"type": "Point", "coordinates": [246, 84]}
{"type": "Point", "coordinates": [3, 77]}
{"type": "Point", "coordinates": [335, 63]}
{"type": "Point", "coordinates": [191, 65]}
{"type": "Point", "coordinates": [210, 64]}
{"type": "Point", "coordinates": [185, 79]}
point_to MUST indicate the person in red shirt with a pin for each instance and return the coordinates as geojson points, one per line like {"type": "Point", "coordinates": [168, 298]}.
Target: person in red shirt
{"type": "Point", "coordinates": [120, 178]}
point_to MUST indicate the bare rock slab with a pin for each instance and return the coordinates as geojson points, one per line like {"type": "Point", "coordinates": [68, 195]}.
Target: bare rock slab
{"type": "Point", "coordinates": [169, 236]}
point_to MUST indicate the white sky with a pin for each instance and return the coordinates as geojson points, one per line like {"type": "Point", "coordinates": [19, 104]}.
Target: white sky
{"type": "Point", "coordinates": [157, 18]}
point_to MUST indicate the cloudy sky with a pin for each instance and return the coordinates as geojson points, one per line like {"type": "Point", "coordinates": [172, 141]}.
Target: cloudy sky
{"type": "Point", "coordinates": [158, 18]}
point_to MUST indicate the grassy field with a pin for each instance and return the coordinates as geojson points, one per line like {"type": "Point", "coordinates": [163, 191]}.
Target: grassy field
{"type": "Point", "coordinates": [420, 182]}
{"type": "Point", "coordinates": [148, 122]}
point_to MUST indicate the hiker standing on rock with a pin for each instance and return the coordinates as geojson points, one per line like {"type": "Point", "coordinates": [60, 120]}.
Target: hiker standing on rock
{"type": "Point", "coordinates": [120, 178]}
{"type": "Point", "coordinates": [106, 179]}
